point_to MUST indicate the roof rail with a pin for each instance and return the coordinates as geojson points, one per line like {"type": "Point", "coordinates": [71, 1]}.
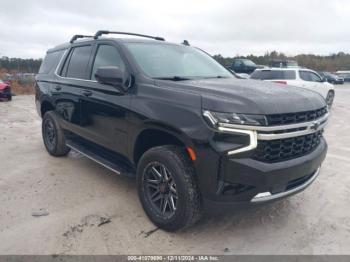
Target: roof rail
{"type": "Point", "coordinates": [105, 32]}
{"type": "Point", "coordinates": [75, 37]}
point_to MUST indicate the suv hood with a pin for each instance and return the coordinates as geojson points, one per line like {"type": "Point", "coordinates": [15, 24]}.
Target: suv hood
{"type": "Point", "coordinates": [249, 96]}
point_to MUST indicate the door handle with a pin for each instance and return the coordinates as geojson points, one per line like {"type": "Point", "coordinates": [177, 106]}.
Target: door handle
{"type": "Point", "coordinates": [58, 88]}
{"type": "Point", "coordinates": [87, 93]}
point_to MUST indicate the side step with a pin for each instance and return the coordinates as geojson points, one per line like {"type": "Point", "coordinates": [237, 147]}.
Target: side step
{"type": "Point", "coordinates": [105, 159]}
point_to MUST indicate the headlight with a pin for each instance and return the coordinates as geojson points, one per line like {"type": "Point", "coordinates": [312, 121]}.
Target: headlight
{"type": "Point", "coordinates": [229, 122]}
{"type": "Point", "coordinates": [217, 118]}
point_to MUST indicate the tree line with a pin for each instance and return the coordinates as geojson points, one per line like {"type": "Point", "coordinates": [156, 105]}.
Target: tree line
{"type": "Point", "coordinates": [331, 63]}
{"type": "Point", "coordinates": [20, 65]}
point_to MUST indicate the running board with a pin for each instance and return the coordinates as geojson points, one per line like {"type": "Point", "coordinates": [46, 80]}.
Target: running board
{"type": "Point", "coordinates": [114, 166]}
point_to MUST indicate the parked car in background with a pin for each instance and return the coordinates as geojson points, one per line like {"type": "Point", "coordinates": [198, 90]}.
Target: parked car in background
{"type": "Point", "coordinates": [300, 77]}
{"type": "Point", "coordinates": [242, 65]}
{"type": "Point", "coordinates": [5, 91]}
{"type": "Point", "coordinates": [283, 63]}
{"type": "Point", "coordinates": [344, 74]}
{"type": "Point", "coordinates": [332, 78]}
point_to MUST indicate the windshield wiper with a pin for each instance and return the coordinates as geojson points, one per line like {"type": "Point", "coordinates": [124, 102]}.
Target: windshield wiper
{"type": "Point", "coordinates": [173, 78]}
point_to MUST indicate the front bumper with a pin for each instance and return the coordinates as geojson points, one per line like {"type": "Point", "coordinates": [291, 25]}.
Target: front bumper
{"type": "Point", "coordinates": [244, 182]}
{"type": "Point", "coordinates": [339, 82]}
{"type": "Point", "coordinates": [267, 196]}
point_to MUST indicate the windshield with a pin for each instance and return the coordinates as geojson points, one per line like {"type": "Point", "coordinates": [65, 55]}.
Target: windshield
{"type": "Point", "coordinates": [177, 62]}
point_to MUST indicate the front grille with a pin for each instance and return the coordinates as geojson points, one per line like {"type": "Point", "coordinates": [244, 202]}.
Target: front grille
{"type": "Point", "coordinates": [283, 149]}
{"type": "Point", "coordinates": [293, 118]}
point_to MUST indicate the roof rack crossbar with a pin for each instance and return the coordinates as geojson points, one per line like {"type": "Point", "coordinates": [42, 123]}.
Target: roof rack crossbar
{"type": "Point", "coordinates": [105, 32]}
{"type": "Point", "coordinates": [75, 37]}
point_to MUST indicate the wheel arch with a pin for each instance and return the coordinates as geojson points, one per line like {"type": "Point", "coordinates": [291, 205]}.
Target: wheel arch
{"type": "Point", "coordinates": [157, 134]}
{"type": "Point", "coordinates": [46, 106]}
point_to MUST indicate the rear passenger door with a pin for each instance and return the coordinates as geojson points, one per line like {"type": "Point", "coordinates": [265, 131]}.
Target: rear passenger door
{"type": "Point", "coordinates": [71, 80]}
{"type": "Point", "coordinates": [104, 107]}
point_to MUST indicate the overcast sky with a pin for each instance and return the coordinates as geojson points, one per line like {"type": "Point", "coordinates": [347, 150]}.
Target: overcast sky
{"type": "Point", "coordinates": [28, 28]}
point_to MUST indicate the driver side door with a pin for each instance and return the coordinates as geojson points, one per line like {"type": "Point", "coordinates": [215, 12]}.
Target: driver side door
{"type": "Point", "coordinates": [104, 107]}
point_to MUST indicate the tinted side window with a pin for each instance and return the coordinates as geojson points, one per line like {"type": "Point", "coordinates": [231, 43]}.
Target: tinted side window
{"type": "Point", "coordinates": [289, 74]}
{"type": "Point", "coordinates": [309, 76]}
{"type": "Point", "coordinates": [238, 63]}
{"type": "Point", "coordinates": [273, 74]}
{"type": "Point", "coordinates": [65, 66]}
{"type": "Point", "coordinates": [107, 56]}
{"type": "Point", "coordinates": [304, 75]}
{"type": "Point", "coordinates": [50, 62]}
{"type": "Point", "coordinates": [78, 62]}
{"type": "Point", "coordinates": [314, 77]}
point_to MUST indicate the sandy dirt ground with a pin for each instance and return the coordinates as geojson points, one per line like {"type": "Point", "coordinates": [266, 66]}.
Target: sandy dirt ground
{"type": "Point", "coordinates": [89, 210]}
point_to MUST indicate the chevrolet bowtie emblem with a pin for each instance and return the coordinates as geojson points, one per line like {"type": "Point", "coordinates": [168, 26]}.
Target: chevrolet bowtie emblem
{"type": "Point", "coordinates": [315, 125]}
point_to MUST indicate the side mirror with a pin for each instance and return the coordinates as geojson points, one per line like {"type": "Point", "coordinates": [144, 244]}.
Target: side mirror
{"type": "Point", "coordinates": [111, 75]}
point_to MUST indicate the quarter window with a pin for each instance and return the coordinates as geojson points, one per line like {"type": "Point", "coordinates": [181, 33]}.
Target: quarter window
{"type": "Point", "coordinates": [50, 62]}
{"type": "Point", "coordinates": [107, 56]}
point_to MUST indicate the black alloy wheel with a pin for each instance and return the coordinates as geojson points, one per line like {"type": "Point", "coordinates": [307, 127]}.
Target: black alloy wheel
{"type": "Point", "coordinates": [53, 135]}
{"type": "Point", "coordinates": [50, 137]}
{"type": "Point", "coordinates": [160, 189]}
{"type": "Point", "coordinates": [167, 187]}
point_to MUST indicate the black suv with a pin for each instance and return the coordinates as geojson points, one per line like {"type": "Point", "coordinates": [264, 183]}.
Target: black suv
{"type": "Point", "coordinates": [242, 65]}
{"type": "Point", "coordinates": [195, 137]}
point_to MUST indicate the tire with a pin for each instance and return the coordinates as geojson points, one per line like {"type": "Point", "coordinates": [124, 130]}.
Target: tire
{"type": "Point", "coordinates": [181, 178]}
{"type": "Point", "coordinates": [53, 136]}
{"type": "Point", "coordinates": [330, 98]}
